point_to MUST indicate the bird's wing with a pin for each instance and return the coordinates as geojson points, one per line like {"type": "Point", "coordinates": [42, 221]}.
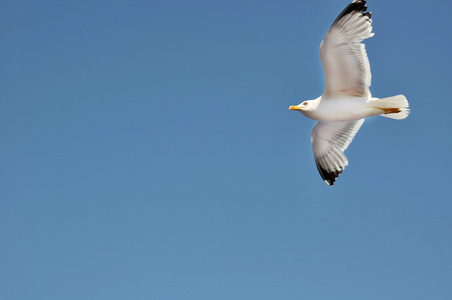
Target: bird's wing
{"type": "Point", "coordinates": [344, 57]}
{"type": "Point", "coordinates": [329, 141]}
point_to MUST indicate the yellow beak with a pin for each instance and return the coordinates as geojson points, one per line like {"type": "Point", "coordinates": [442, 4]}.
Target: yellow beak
{"type": "Point", "coordinates": [294, 107]}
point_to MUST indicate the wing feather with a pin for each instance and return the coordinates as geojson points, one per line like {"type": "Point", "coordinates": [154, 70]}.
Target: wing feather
{"type": "Point", "coordinates": [329, 141]}
{"type": "Point", "coordinates": [344, 57]}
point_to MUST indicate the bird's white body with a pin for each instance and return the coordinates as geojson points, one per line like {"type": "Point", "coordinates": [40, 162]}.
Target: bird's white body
{"type": "Point", "coordinates": [346, 100]}
{"type": "Point", "coordinates": [342, 109]}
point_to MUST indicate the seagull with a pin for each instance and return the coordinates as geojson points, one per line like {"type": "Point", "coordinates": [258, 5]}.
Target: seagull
{"type": "Point", "coordinates": [346, 99]}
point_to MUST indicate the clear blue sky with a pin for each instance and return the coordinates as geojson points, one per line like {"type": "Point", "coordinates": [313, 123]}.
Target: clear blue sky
{"type": "Point", "coordinates": [147, 152]}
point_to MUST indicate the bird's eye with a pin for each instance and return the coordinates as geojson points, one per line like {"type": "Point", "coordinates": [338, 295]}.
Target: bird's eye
{"type": "Point", "coordinates": [305, 103]}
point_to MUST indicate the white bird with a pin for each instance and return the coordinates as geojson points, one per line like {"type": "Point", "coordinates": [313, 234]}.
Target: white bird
{"type": "Point", "coordinates": [346, 99]}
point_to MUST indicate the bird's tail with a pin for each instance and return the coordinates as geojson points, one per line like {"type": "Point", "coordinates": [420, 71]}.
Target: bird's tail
{"type": "Point", "coordinates": [395, 107]}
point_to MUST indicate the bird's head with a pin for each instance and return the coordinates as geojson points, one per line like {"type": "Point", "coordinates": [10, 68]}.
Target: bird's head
{"type": "Point", "coordinates": [304, 106]}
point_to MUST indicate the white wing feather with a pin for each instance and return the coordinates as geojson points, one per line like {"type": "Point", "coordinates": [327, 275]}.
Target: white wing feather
{"type": "Point", "coordinates": [344, 57]}
{"type": "Point", "coordinates": [329, 141]}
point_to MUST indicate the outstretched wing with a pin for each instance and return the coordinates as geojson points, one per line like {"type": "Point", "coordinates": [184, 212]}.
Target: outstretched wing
{"type": "Point", "coordinates": [329, 141]}
{"type": "Point", "coordinates": [344, 57]}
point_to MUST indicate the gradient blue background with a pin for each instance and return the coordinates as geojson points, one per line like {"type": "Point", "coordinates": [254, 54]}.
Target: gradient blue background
{"type": "Point", "coordinates": [147, 152]}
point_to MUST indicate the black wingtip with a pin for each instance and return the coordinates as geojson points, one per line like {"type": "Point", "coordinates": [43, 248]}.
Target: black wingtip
{"type": "Point", "coordinates": [328, 176]}
{"type": "Point", "coordinates": [355, 6]}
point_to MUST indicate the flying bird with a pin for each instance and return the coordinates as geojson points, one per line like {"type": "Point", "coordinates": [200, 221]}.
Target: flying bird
{"type": "Point", "coordinates": [346, 99]}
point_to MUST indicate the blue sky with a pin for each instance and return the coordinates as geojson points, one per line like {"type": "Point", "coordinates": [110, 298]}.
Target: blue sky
{"type": "Point", "coordinates": [147, 152]}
